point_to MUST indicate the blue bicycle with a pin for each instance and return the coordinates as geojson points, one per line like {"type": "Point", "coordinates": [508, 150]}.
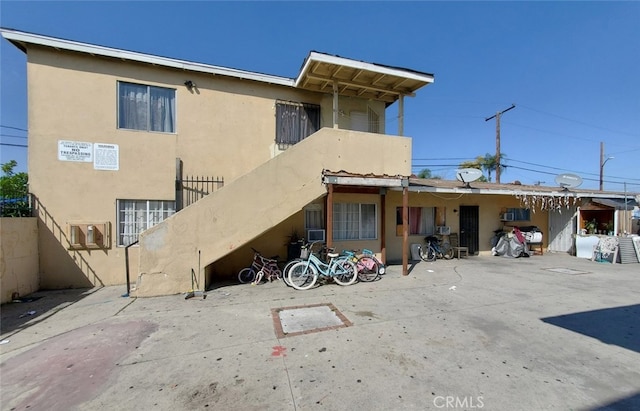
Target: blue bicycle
{"type": "Point", "coordinates": [304, 274]}
{"type": "Point", "coordinates": [434, 248]}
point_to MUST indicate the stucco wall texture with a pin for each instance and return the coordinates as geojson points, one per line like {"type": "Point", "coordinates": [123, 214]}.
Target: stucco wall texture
{"type": "Point", "coordinates": [18, 257]}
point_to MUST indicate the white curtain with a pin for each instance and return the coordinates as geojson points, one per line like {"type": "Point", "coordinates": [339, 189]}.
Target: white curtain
{"type": "Point", "coordinates": [162, 109]}
{"type": "Point", "coordinates": [146, 108]}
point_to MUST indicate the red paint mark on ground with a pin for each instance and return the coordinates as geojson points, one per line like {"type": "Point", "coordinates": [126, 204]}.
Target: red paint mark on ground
{"type": "Point", "coordinates": [67, 370]}
{"type": "Point", "coordinates": [278, 351]}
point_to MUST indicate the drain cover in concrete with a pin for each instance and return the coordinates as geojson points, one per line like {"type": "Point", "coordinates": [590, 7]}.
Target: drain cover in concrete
{"type": "Point", "coordinates": [306, 319]}
{"type": "Point", "coordinates": [566, 271]}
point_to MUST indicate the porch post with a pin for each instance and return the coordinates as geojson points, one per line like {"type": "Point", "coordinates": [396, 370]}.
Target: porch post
{"type": "Point", "coordinates": [401, 115]}
{"type": "Point", "coordinates": [335, 105]}
{"type": "Point", "coordinates": [405, 230]}
{"type": "Point", "coordinates": [329, 208]}
{"type": "Point", "coordinates": [383, 231]}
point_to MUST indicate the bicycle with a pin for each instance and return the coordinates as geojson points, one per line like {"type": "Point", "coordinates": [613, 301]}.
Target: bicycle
{"type": "Point", "coordinates": [304, 254]}
{"type": "Point", "coordinates": [433, 249]}
{"type": "Point", "coordinates": [368, 266]}
{"type": "Point", "coordinates": [304, 274]}
{"type": "Point", "coordinates": [261, 268]}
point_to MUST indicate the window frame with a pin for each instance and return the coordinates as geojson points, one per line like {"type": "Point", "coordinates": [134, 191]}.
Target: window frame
{"type": "Point", "coordinates": [303, 129]}
{"type": "Point", "coordinates": [148, 100]}
{"type": "Point", "coordinates": [429, 229]}
{"type": "Point", "coordinates": [520, 214]}
{"type": "Point", "coordinates": [166, 212]}
{"type": "Point", "coordinates": [360, 228]}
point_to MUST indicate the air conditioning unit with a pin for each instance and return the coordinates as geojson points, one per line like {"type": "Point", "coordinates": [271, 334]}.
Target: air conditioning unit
{"type": "Point", "coordinates": [443, 230]}
{"type": "Point", "coordinates": [507, 217]}
{"type": "Point", "coordinates": [315, 235]}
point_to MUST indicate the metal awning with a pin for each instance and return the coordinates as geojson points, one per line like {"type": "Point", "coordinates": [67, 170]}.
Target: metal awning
{"type": "Point", "coordinates": [320, 72]}
{"type": "Point", "coordinates": [617, 203]}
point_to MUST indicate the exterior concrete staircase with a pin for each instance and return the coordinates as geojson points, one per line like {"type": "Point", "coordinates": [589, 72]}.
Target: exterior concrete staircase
{"type": "Point", "coordinates": [252, 204]}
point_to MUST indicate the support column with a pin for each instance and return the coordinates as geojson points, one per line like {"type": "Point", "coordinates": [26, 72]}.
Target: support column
{"type": "Point", "coordinates": [405, 231]}
{"type": "Point", "coordinates": [383, 230]}
{"type": "Point", "coordinates": [329, 208]}
{"type": "Point", "coordinates": [401, 115]}
{"type": "Point", "coordinates": [335, 105]}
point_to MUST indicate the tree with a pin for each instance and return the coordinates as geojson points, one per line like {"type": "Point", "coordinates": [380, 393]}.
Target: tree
{"type": "Point", "coordinates": [490, 163]}
{"type": "Point", "coordinates": [14, 192]}
{"type": "Point", "coordinates": [477, 163]}
{"type": "Point", "coordinates": [426, 173]}
{"type": "Point", "coordinates": [487, 163]}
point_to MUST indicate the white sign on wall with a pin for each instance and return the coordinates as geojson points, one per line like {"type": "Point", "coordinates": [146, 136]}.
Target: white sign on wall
{"type": "Point", "coordinates": [75, 151]}
{"type": "Point", "coordinates": [106, 157]}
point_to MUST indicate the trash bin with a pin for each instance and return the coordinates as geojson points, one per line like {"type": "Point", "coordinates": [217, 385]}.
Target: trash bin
{"type": "Point", "coordinates": [415, 251]}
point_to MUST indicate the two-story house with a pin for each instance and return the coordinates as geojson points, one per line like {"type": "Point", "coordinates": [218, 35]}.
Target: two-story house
{"type": "Point", "coordinates": [112, 133]}
{"type": "Point", "coordinates": [114, 136]}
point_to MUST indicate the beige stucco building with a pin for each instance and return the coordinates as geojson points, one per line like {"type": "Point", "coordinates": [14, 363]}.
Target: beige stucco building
{"type": "Point", "coordinates": [113, 135]}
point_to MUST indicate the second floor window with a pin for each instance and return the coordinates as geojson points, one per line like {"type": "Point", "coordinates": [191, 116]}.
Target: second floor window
{"type": "Point", "coordinates": [146, 108]}
{"type": "Point", "coordinates": [295, 121]}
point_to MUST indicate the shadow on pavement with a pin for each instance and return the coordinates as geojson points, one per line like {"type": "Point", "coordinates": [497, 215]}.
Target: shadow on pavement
{"type": "Point", "coordinates": [618, 326]}
{"type": "Point", "coordinates": [27, 311]}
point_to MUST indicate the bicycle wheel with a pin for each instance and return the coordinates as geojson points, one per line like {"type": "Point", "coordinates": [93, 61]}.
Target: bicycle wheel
{"type": "Point", "coordinates": [344, 272]}
{"type": "Point", "coordinates": [368, 269]}
{"type": "Point", "coordinates": [447, 251]}
{"type": "Point", "coordinates": [427, 253]}
{"type": "Point", "coordinates": [302, 275]}
{"type": "Point", "coordinates": [286, 268]}
{"type": "Point", "coordinates": [246, 275]}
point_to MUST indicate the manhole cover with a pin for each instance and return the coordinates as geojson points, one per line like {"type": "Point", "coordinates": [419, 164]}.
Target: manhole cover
{"type": "Point", "coordinates": [566, 271]}
{"type": "Point", "coordinates": [306, 319]}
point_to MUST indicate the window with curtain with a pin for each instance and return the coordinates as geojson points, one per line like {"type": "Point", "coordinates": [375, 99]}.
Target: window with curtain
{"type": "Point", "coordinates": [421, 220]}
{"type": "Point", "coordinates": [146, 108]}
{"type": "Point", "coordinates": [135, 216]}
{"type": "Point", "coordinates": [353, 221]}
{"type": "Point", "coordinates": [313, 217]}
{"type": "Point", "coordinates": [296, 121]}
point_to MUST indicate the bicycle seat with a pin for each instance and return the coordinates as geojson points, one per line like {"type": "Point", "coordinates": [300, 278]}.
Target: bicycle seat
{"type": "Point", "coordinates": [332, 255]}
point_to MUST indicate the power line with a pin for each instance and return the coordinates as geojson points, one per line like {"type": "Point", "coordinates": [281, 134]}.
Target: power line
{"type": "Point", "coordinates": [14, 128]}
{"type": "Point", "coordinates": [13, 145]}
{"type": "Point", "coordinates": [580, 122]}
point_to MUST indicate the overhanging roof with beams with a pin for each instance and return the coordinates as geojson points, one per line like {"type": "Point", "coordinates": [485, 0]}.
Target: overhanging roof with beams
{"type": "Point", "coordinates": [359, 79]}
{"type": "Point", "coordinates": [319, 71]}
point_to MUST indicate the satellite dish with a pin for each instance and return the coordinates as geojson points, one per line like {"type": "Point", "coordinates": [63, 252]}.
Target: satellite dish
{"type": "Point", "coordinates": [467, 175]}
{"type": "Point", "coordinates": [568, 180]}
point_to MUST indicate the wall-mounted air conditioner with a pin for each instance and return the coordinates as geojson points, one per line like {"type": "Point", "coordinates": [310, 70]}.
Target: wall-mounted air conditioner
{"type": "Point", "coordinates": [315, 235]}
{"type": "Point", "coordinates": [507, 217]}
{"type": "Point", "coordinates": [443, 230]}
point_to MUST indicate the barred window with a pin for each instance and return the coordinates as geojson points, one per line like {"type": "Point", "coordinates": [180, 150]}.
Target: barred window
{"type": "Point", "coordinates": [295, 122]}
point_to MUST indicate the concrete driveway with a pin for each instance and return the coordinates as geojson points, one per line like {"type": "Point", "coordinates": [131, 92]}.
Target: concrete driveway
{"type": "Point", "coordinates": [549, 332]}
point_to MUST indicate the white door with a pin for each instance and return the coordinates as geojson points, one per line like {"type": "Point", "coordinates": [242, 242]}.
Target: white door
{"type": "Point", "coordinates": [562, 226]}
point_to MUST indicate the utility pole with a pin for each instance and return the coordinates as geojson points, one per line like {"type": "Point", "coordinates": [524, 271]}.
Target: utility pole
{"type": "Point", "coordinates": [603, 161]}
{"type": "Point", "coordinates": [497, 116]}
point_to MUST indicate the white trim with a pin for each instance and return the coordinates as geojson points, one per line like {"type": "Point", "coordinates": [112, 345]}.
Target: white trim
{"type": "Point", "coordinates": [315, 57]}
{"type": "Point", "coordinates": [22, 37]}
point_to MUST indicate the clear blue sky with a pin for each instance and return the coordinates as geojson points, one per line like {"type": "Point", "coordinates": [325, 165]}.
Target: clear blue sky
{"type": "Point", "coordinates": [571, 68]}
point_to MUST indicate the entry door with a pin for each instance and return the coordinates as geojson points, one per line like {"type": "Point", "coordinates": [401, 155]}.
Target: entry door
{"type": "Point", "coordinates": [562, 226]}
{"type": "Point", "coordinates": [469, 222]}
